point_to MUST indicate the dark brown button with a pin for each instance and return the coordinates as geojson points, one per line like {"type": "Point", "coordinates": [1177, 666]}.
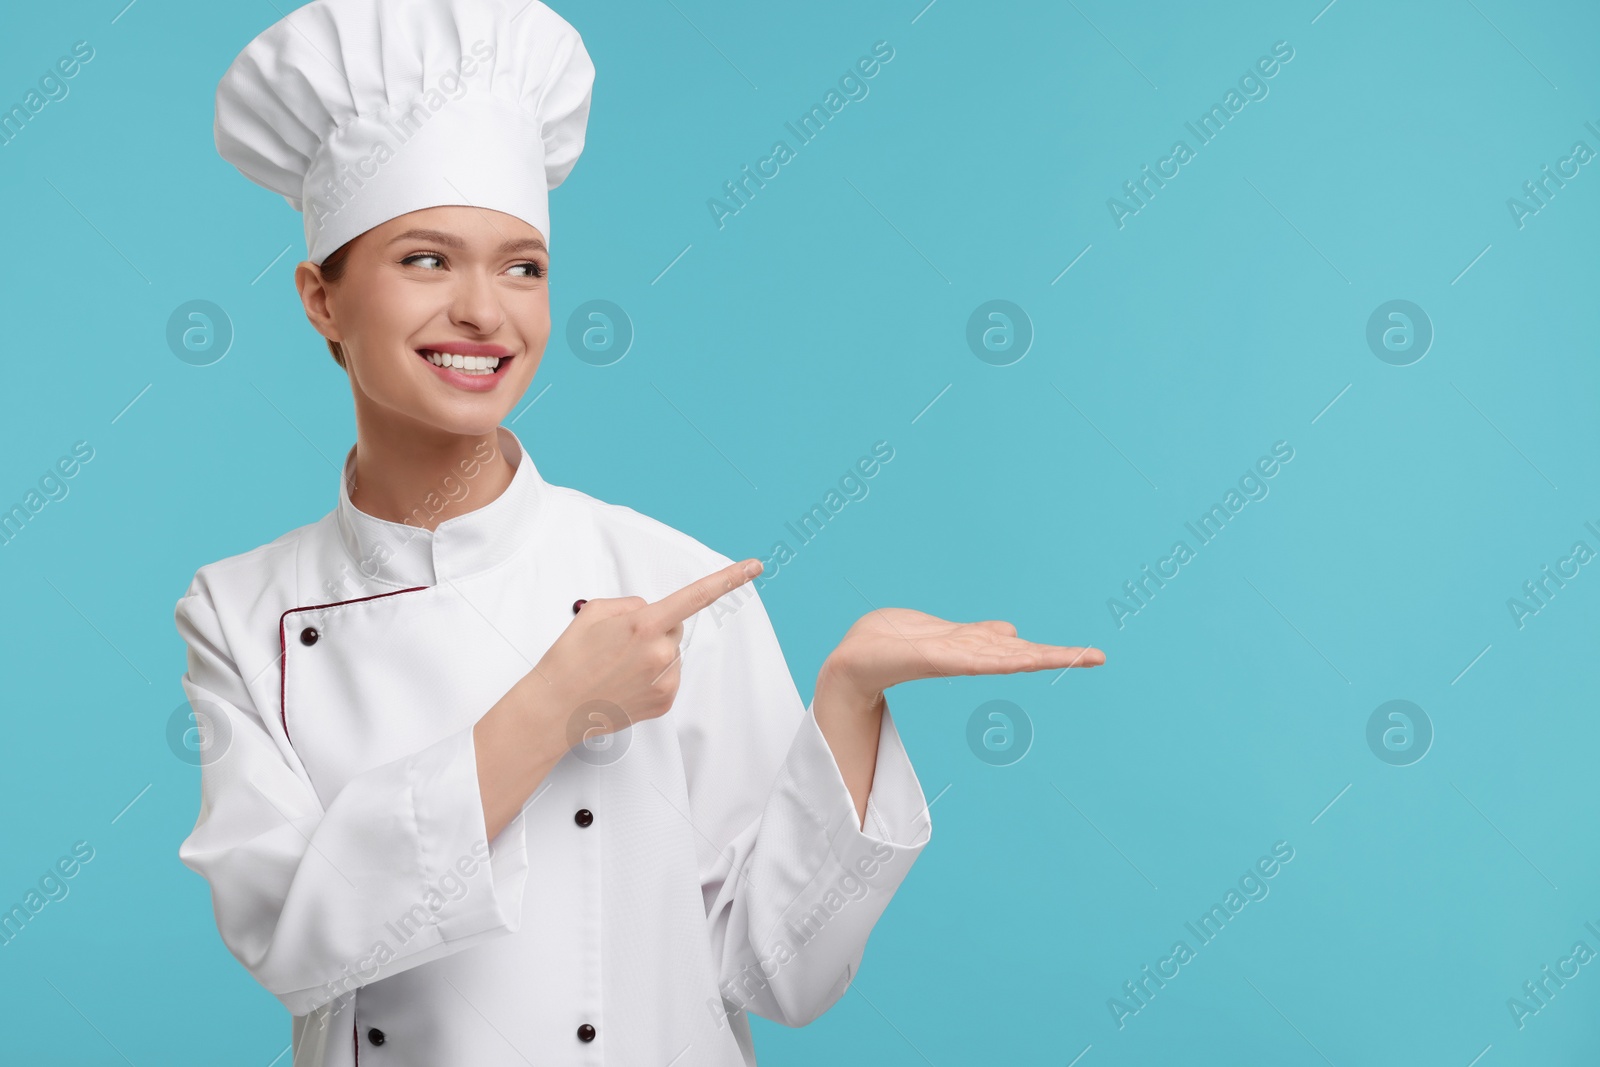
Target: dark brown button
{"type": "Point", "coordinates": [576, 604]}
{"type": "Point", "coordinates": [309, 636]}
{"type": "Point", "coordinates": [376, 1036]}
{"type": "Point", "coordinates": [585, 1032]}
{"type": "Point", "coordinates": [583, 817]}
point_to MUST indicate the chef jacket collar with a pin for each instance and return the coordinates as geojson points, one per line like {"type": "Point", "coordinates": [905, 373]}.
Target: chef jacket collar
{"type": "Point", "coordinates": [404, 555]}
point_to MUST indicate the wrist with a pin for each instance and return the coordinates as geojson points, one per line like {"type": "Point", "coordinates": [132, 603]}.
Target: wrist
{"type": "Point", "coordinates": [543, 717]}
{"type": "Point", "coordinates": [842, 691]}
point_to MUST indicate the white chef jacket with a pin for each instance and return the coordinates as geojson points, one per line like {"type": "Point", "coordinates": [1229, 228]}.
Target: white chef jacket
{"type": "Point", "coordinates": [708, 863]}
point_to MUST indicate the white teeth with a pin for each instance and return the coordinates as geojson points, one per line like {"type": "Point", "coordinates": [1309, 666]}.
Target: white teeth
{"type": "Point", "coordinates": [464, 364]}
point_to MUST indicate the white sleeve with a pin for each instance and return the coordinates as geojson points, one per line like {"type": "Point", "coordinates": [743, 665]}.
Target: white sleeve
{"type": "Point", "coordinates": [793, 884]}
{"type": "Point", "coordinates": [316, 902]}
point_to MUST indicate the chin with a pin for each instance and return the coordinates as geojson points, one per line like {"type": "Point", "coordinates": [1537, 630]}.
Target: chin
{"type": "Point", "coordinates": [471, 420]}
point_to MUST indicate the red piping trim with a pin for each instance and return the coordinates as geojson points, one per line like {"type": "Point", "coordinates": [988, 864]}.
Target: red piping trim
{"type": "Point", "coordinates": [283, 645]}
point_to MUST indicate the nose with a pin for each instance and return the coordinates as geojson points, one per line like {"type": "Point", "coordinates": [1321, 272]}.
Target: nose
{"type": "Point", "coordinates": [475, 304]}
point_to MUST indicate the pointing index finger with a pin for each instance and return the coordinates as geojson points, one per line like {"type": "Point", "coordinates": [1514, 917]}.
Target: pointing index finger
{"type": "Point", "coordinates": [674, 608]}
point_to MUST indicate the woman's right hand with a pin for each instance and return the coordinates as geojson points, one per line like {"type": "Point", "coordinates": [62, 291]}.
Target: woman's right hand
{"type": "Point", "coordinates": [618, 661]}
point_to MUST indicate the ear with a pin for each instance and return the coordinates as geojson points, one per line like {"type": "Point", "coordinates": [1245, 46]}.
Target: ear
{"type": "Point", "coordinates": [314, 295]}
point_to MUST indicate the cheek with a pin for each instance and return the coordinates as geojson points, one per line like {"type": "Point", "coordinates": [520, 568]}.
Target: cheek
{"type": "Point", "coordinates": [358, 319]}
{"type": "Point", "coordinates": [395, 313]}
{"type": "Point", "coordinates": [533, 319]}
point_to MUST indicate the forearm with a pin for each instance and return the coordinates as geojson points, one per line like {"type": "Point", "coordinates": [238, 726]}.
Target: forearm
{"type": "Point", "coordinates": [518, 742]}
{"type": "Point", "coordinates": [850, 721]}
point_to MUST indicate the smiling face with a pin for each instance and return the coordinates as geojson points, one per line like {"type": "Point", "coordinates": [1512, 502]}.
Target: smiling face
{"type": "Point", "coordinates": [442, 315]}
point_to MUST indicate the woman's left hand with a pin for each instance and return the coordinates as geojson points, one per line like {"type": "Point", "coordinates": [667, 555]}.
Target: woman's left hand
{"type": "Point", "coordinates": [893, 645]}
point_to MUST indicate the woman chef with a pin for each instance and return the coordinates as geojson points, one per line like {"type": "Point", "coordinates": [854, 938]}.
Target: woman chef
{"type": "Point", "coordinates": [498, 773]}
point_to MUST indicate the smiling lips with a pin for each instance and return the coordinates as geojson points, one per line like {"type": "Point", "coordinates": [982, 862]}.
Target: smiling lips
{"type": "Point", "coordinates": [466, 365]}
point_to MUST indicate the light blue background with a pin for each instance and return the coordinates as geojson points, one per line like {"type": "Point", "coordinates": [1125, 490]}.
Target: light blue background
{"type": "Point", "coordinates": [829, 314]}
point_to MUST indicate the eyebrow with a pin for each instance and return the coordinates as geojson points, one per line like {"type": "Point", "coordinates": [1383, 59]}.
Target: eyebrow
{"type": "Point", "coordinates": [450, 240]}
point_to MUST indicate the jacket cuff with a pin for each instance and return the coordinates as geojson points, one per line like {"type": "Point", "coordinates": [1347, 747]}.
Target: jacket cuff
{"type": "Point", "coordinates": [474, 886]}
{"type": "Point", "coordinates": [897, 812]}
{"type": "Point", "coordinates": [828, 906]}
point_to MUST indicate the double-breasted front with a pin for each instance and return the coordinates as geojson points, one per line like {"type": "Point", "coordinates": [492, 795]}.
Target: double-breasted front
{"type": "Point", "coordinates": [662, 880]}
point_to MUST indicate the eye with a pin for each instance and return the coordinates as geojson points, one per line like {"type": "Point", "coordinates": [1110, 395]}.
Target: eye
{"type": "Point", "coordinates": [535, 270]}
{"type": "Point", "coordinates": [423, 255]}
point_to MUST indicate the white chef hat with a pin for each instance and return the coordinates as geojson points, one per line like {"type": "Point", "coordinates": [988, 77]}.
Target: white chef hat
{"type": "Point", "coordinates": [358, 111]}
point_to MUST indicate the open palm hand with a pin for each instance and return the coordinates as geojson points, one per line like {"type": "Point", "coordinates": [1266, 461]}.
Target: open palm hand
{"type": "Point", "coordinates": [893, 645]}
